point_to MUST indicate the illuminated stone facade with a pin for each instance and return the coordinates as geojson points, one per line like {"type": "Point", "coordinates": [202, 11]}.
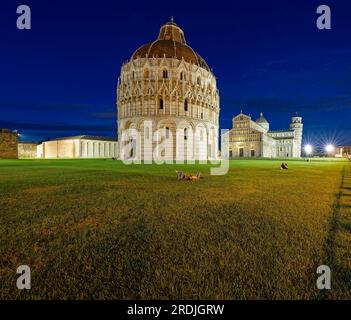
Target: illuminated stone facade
{"type": "Point", "coordinates": [8, 144]}
{"type": "Point", "coordinates": [167, 102]}
{"type": "Point", "coordinates": [250, 138]}
{"type": "Point", "coordinates": [79, 147]}
{"type": "Point", "coordinates": [342, 151]}
{"type": "Point", "coordinates": [27, 150]}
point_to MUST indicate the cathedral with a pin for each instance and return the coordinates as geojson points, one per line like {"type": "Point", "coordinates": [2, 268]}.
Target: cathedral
{"type": "Point", "coordinates": [167, 102]}
{"type": "Point", "coordinates": [250, 138]}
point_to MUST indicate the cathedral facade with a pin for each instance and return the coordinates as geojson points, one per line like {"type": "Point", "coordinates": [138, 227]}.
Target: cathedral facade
{"type": "Point", "coordinates": [250, 138]}
{"type": "Point", "coordinates": [167, 102]}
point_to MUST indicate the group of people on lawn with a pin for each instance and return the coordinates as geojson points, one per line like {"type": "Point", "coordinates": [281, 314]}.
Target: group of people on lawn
{"type": "Point", "coordinates": [188, 176]}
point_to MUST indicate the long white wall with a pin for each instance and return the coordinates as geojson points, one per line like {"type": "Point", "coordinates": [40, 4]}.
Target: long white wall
{"type": "Point", "coordinates": [79, 148]}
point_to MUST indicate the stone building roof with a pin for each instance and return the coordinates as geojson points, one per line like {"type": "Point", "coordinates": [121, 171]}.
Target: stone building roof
{"type": "Point", "coordinates": [86, 137]}
{"type": "Point", "coordinates": [261, 119]}
{"type": "Point", "coordinates": [280, 131]}
{"type": "Point", "coordinates": [28, 142]}
{"type": "Point", "coordinates": [170, 43]}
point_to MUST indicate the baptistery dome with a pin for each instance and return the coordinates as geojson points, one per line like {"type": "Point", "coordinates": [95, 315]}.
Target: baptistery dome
{"type": "Point", "coordinates": [171, 44]}
{"type": "Point", "coordinates": [166, 93]}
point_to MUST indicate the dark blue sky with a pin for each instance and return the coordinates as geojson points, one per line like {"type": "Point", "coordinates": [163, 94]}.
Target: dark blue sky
{"type": "Point", "coordinates": [60, 78]}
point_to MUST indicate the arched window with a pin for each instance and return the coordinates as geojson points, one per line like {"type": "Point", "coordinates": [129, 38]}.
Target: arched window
{"type": "Point", "coordinates": [167, 133]}
{"type": "Point", "coordinates": [132, 148]}
{"type": "Point", "coordinates": [201, 135]}
{"type": "Point", "coordinates": [199, 81]}
{"type": "Point", "coordinates": [146, 74]}
{"type": "Point", "coordinates": [185, 134]}
{"type": "Point", "coordinates": [161, 104]}
{"type": "Point", "coordinates": [182, 76]}
{"type": "Point", "coordinates": [186, 105]}
{"type": "Point", "coordinates": [165, 74]}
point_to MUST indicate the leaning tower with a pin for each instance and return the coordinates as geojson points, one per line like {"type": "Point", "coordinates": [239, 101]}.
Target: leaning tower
{"type": "Point", "coordinates": [167, 101]}
{"type": "Point", "coordinates": [296, 125]}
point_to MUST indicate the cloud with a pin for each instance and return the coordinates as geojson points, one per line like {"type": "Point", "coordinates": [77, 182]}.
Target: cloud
{"type": "Point", "coordinates": [258, 104]}
{"type": "Point", "coordinates": [305, 63]}
{"type": "Point", "coordinates": [62, 127]}
{"type": "Point", "coordinates": [334, 103]}
{"type": "Point", "coordinates": [44, 106]}
{"type": "Point", "coordinates": [277, 104]}
{"type": "Point", "coordinates": [104, 115]}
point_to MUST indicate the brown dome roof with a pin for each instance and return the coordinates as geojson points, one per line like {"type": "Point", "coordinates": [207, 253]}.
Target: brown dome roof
{"type": "Point", "coordinates": [170, 43]}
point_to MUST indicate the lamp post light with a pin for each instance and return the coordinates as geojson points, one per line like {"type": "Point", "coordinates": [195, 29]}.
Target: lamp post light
{"type": "Point", "coordinates": [329, 148]}
{"type": "Point", "coordinates": [308, 150]}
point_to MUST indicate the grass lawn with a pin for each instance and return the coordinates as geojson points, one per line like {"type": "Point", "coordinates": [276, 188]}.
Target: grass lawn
{"type": "Point", "coordinates": [103, 230]}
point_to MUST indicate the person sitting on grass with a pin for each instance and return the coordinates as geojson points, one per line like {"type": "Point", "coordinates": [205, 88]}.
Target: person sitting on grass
{"type": "Point", "coordinates": [196, 177]}
{"type": "Point", "coordinates": [284, 166]}
{"type": "Point", "coordinates": [182, 176]}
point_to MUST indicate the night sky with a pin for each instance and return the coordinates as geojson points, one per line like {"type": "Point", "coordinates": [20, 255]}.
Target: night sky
{"type": "Point", "coordinates": [59, 78]}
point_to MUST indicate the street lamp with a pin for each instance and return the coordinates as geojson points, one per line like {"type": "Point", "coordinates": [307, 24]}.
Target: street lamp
{"type": "Point", "coordinates": [308, 149]}
{"type": "Point", "coordinates": [329, 148]}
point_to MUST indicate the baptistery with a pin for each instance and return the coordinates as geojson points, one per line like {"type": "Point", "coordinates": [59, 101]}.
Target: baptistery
{"type": "Point", "coordinates": [167, 102]}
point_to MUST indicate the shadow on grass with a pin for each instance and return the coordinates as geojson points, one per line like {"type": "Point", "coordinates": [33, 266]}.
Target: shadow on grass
{"type": "Point", "coordinates": [346, 227]}
{"type": "Point", "coordinates": [341, 275]}
{"type": "Point", "coordinates": [347, 195]}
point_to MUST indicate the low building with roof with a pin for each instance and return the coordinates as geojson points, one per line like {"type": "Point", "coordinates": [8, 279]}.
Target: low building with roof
{"type": "Point", "coordinates": [76, 147]}
{"type": "Point", "coordinates": [343, 152]}
{"type": "Point", "coordinates": [28, 150]}
{"type": "Point", "coordinates": [250, 138]}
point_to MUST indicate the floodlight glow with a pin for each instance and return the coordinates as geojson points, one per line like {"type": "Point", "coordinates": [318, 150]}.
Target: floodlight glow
{"type": "Point", "coordinates": [308, 149]}
{"type": "Point", "coordinates": [329, 148]}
